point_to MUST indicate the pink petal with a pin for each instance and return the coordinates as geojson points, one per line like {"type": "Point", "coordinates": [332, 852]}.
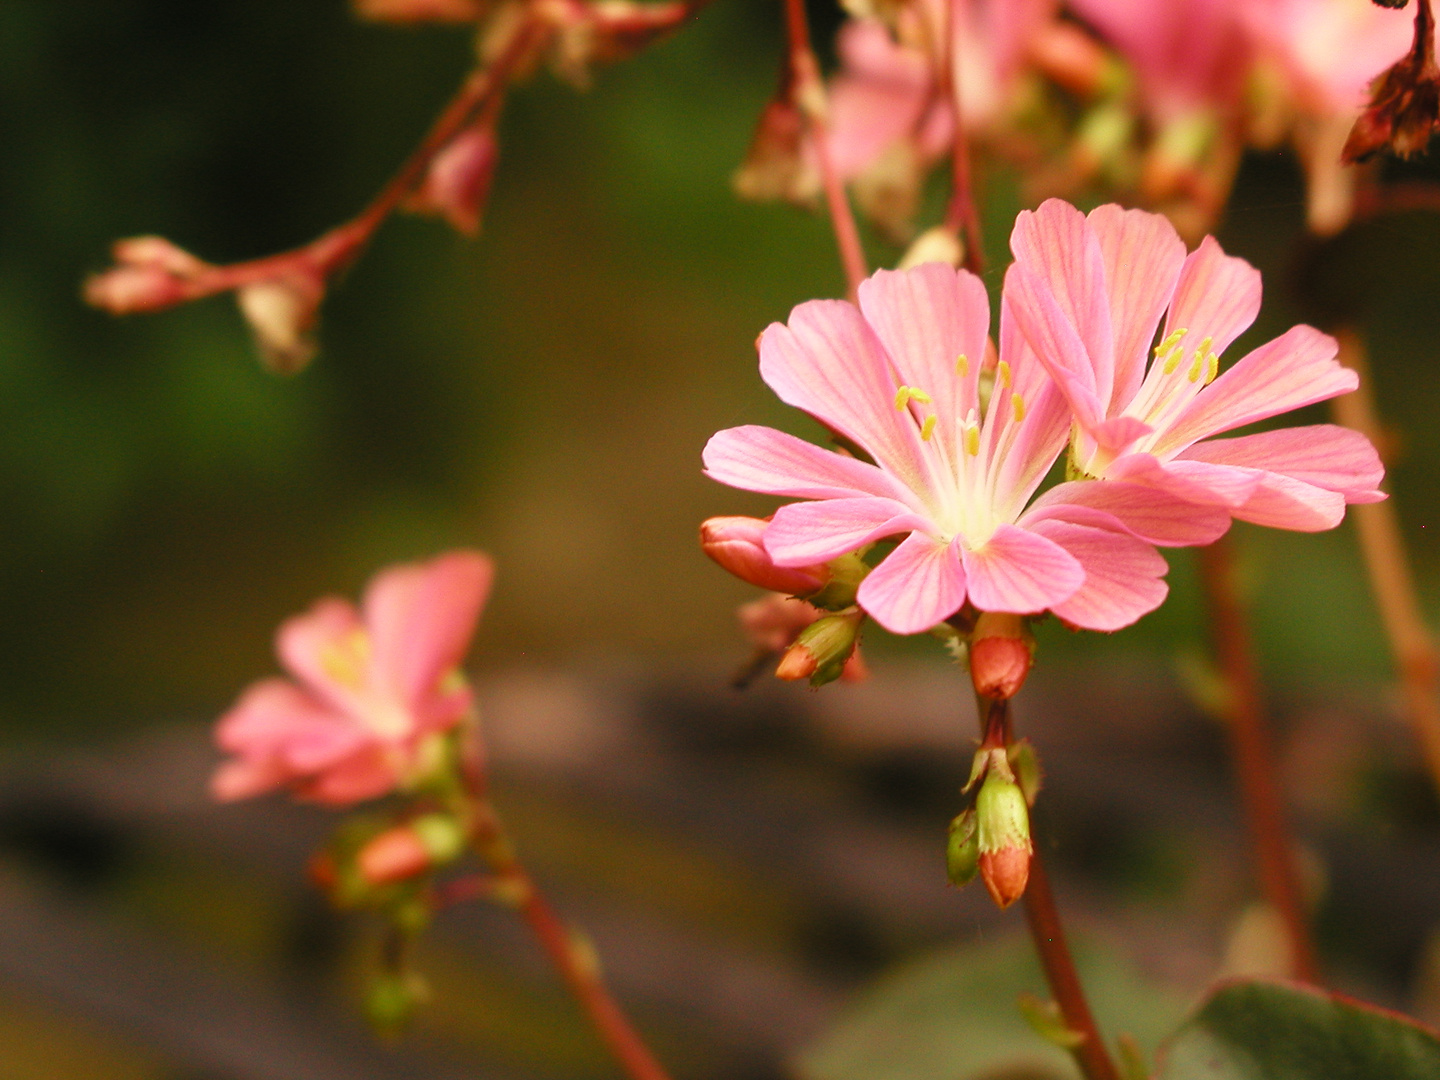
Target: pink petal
{"type": "Point", "coordinates": [421, 617]}
{"type": "Point", "coordinates": [1324, 455]}
{"type": "Point", "coordinates": [803, 534]}
{"type": "Point", "coordinates": [1020, 571]}
{"type": "Point", "coordinates": [1297, 368]}
{"type": "Point", "coordinates": [367, 775]}
{"type": "Point", "coordinates": [878, 97]}
{"type": "Point", "coordinates": [756, 458]}
{"type": "Point", "coordinates": [1055, 342]}
{"type": "Point", "coordinates": [1153, 515]}
{"type": "Point", "coordinates": [1193, 481]}
{"type": "Point", "coordinates": [926, 318]}
{"type": "Point", "coordinates": [1143, 254]}
{"type": "Point", "coordinates": [1056, 244]}
{"type": "Point", "coordinates": [310, 644]}
{"type": "Point", "coordinates": [1123, 574]}
{"type": "Point", "coordinates": [244, 778]}
{"type": "Point", "coordinates": [269, 714]}
{"type": "Point", "coordinates": [1120, 432]}
{"type": "Point", "coordinates": [1217, 296]}
{"type": "Point", "coordinates": [919, 584]}
{"type": "Point", "coordinates": [828, 362]}
{"type": "Point", "coordinates": [1282, 502]}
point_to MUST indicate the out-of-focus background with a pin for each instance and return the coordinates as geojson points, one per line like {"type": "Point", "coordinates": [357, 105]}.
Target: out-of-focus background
{"type": "Point", "coordinates": [747, 861]}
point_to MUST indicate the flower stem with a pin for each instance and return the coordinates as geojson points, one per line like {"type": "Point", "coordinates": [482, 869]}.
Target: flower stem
{"type": "Point", "coordinates": [569, 951]}
{"type": "Point", "coordinates": [1383, 546]}
{"type": "Point", "coordinates": [961, 214]}
{"type": "Point", "coordinates": [1049, 937]}
{"type": "Point", "coordinates": [1255, 756]}
{"type": "Point", "coordinates": [809, 90]}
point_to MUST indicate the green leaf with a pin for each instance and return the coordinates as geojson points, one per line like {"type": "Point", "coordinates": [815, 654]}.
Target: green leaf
{"type": "Point", "coordinates": [954, 1014]}
{"type": "Point", "coordinates": [1260, 1030]}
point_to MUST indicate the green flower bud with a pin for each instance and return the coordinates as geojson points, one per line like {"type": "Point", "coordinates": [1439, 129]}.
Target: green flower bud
{"type": "Point", "coordinates": [962, 852]}
{"type": "Point", "coordinates": [1004, 837]}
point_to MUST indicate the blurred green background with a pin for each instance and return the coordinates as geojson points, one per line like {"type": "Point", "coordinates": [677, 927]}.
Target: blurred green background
{"type": "Point", "coordinates": [542, 393]}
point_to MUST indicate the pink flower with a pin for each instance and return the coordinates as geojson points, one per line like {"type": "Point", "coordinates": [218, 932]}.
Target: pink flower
{"type": "Point", "coordinates": [900, 379]}
{"type": "Point", "coordinates": [1089, 293]}
{"type": "Point", "coordinates": [458, 181]}
{"type": "Point", "coordinates": [372, 688]}
{"type": "Point", "coordinates": [1190, 56]}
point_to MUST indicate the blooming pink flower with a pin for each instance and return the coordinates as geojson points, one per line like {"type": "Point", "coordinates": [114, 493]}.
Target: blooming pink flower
{"type": "Point", "coordinates": [900, 378]}
{"type": "Point", "coordinates": [372, 687]}
{"type": "Point", "coordinates": [1089, 293]}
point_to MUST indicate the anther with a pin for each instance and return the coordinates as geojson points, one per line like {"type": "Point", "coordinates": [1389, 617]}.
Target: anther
{"type": "Point", "coordinates": [1017, 403]}
{"type": "Point", "coordinates": [1002, 373]}
{"type": "Point", "coordinates": [1170, 342]}
{"type": "Point", "coordinates": [1212, 363]}
{"type": "Point", "coordinates": [972, 439]}
{"type": "Point", "coordinates": [1196, 366]}
{"type": "Point", "coordinates": [927, 429]}
{"type": "Point", "coordinates": [962, 365]}
{"type": "Point", "coordinates": [1172, 361]}
{"type": "Point", "coordinates": [907, 394]}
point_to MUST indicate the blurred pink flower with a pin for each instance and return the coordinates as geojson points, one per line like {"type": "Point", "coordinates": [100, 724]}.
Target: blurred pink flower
{"type": "Point", "coordinates": [371, 687]}
{"type": "Point", "coordinates": [1089, 293]}
{"type": "Point", "coordinates": [458, 181]}
{"type": "Point", "coordinates": [900, 378]}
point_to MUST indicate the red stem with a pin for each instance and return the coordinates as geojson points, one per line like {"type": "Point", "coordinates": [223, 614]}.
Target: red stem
{"type": "Point", "coordinates": [1255, 757]}
{"type": "Point", "coordinates": [809, 92]}
{"type": "Point", "coordinates": [961, 214]}
{"type": "Point", "coordinates": [1049, 937]}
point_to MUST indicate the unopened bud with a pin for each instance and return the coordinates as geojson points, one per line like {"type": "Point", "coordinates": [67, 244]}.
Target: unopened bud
{"type": "Point", "coordinates": [458, 181]}
{"type": "Point", "coordinates": [939, 244]}
{"type": "Point", "coordinates": [1072, 58]}
{"type": "Point", "coordinates": [150, 274]}
{"type": "Point", "coordinates": [1001, 651]}
{"type": "Point", "coordinates": [820, 652]}
{"type": "Point", "coordinates": [1004, 837]}
{"type": "Point", "coordinates": [413, 11]}
{"type": "Point", "coordinates": [411, 849]}
{"type": "Point", "coordinates": [737, 544]}
{"type": "Point", "coordinates": [778, 165]}
{"type": "Point", "coordinates": [962, 851]}
{"type": "Point", "coordinates": [282, 312]}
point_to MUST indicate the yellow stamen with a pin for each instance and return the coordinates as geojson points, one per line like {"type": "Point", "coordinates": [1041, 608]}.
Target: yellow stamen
{"type": "Point", "coordinates": [927, 429]}
{"type": "Point", "coordinates": [1002, 372]}
{"type": "Point", "coordinates": [1172, 361]}
{"type": "Point", "coordinates": [1170, 342]}
{"type": "Point", "coordinates": [1017, 403]}
{"type": "Point", "coordinates": [907, 394]}
{"type": "Point", "coordinates": [345, 659]}
{"type": "Point", "coordinates": [1196, 366]}
{"type": "Point", "coordinates": [1213, 364]}
{"type": "Point", "coordinates": [962, 365]}
{"type": "Point", "coordinates": [1204, 346]}
{"type": "Point", "coordinates": [972, 439]}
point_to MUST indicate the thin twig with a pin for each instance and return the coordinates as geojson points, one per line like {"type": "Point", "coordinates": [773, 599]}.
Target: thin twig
{"type": "Point", "coordinates": [1254, 756]}
{"type": "Point", "coordinates": [1388, 562]}
{"type": "Point", "coordinates": [809, 90]}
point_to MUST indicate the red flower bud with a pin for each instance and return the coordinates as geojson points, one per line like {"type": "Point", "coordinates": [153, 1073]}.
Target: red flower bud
{"type": "Point", "coordinates": [736, 543]}
{"type": "Point", "coordinates": [1001, 651]}
{"type": "Point", "coordinates": [458, 181]}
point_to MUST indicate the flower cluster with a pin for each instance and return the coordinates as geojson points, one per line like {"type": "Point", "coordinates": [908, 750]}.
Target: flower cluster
{"type": "Point", "coordinates": [950, 448]}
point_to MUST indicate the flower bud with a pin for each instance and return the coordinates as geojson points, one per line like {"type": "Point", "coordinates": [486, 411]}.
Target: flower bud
{"type": "Point", "coordinates": [773, 622]}
{"type": "Point", "coordinates": [282, 312]}
{"type": "Point", "coordinates": [150, 274]}
{"type": "Point", "coordinates": [939, 244]}
{"type": "Point", "coordinates": [962, 851]}
{"type": "Point", "coordinates": [822, 649]}
{"type": "Point", "coordinates": [1004, 837]}
{"type": "Point", "coordinates": [1067, 55]}
{"type": "Point", "coordinates": [412, 11]}
{"type": "Point", "coordinates": [457, 183]}
{"type": "Point", "coordinates": [778, 164]}
{"type": "Point", "coordinates": [1001, 651]}
{"type": "Point", "coordinates": [737, 544]}
{"type": "Point", "coordinates": [410, 849]}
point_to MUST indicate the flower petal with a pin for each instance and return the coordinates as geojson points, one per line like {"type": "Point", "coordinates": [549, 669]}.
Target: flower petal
{"type": "Point", "coordinates": [1217, 296]}
{"type": "Point", "coordinates": [1056, 243]}
{"type": "Point", "coordinates": [827, 361]}
{"type": "Point", "coordinates": [1194, 481]}
{"type": "Point", "coordinates": [926, 318]}
{"type": "Point", "coordinates": [1297, 368]}
{"type": "Point", "coordinates": [756, 458]}
{"type": "Point", "coordinates": [1151, 514]}
{"type": "Point", "coordinates": [1325, 455]}
{"type": "Point", "coordinates": [1019, 571]}
{"type": "Point", "coordinates": [421, 617]}
{"type": "Point", "coordinates": [1123, 574]}
{"type": "Point", "coordinates": [323, 649]}
{"type": "Point", "coordinates": [1143, 255]}
{"type": "Point", "coordinates": [917, 585]}
{"type": "Point", "coordinates": [1055, 342]}
{"type": "Point", "coordinates": [1282, 502]}
{"type": "Point", "coordinates": [803, 534]}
